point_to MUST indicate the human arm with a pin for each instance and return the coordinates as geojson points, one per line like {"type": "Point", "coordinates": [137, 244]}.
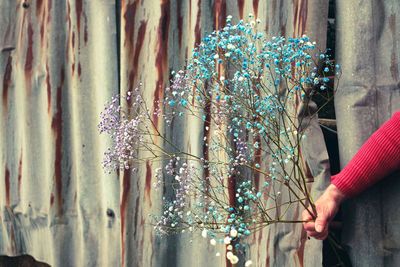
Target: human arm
{"type": "Point", "coordinates": [377, 158]}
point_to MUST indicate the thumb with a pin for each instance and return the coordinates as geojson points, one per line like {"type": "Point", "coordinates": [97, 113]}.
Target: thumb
{"type": "Point", "coordinates": [320, 223]}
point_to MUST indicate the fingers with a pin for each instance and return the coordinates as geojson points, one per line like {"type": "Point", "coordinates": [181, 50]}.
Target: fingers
{"type": "Point", "coordinates": [321, 223]}
{"type": "Point", "coordinates": [317, 229]}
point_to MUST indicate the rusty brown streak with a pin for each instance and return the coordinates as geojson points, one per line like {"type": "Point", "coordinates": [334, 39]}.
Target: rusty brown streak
{"type": "Point", "coordinates": [220, 14]}
{"type": "Point", "coordinates": [79, 69]}
{"type": "Point", "coordinates": [7, 81]}
{"type": "Point", "coordinates": [49, 6]}
{"type": "Point", "coordinates": [20, 176]}
{"type": "Point", "coordinates": [126, 185]}
{"type": "Point", "coordinates": [139, 44]}
{"type": "Point", "coordinates": [162, 54]}
{"type": "Point", "coordinates": [7, 184]}
{"type": "Point", "coordinates": [29, 52]}
{"type": "Point", "coordinates": [135, 218]}
{"type": "Point", "coordinates": [241, 8]}
{"type": "Point", "coordinates": [78, 10]}
{"type": "Point", "coordinates": [197, 33]}
{"type": "Point", "coordinates": [48, 84]}
{"type": "Point", "coordinates": [148, 183]}
{"type": "Point", "coordinates": [39, 5]}
{"type": "Point", "coordinates": [302, 17]}
{"type": "Point", "coordinates": [255, 7]}
{"type": "Point", "coordinates": [303, 239]}
{"type": "Point", "coordinates": [130, 18]}
{"type": "Point", "coordinates": [56, 126]}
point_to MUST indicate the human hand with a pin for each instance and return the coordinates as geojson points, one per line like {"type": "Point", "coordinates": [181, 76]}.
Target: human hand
{"type": "Point", "coordinates": [326, 206]}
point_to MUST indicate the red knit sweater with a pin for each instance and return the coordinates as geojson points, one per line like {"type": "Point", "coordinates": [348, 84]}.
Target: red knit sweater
{"type": "Point", "coordinates": [377, 158]}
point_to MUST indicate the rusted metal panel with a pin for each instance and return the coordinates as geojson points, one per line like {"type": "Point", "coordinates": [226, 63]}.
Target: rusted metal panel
{"type": "Point", "coordinates": [54, 83]}
{"type": "Point", "coordinates": [59, 63]}
{"type": "Point", "coordinates": [369, 94]}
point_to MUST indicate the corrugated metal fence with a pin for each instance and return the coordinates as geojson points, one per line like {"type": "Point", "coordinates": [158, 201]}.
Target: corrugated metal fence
{"type": "Point", "coordinates": [61, 60]}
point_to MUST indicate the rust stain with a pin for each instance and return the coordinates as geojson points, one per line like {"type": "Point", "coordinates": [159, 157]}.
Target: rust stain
{"type": "Point", "coordinates": [300, 251]}
{"type": "Point", "coordinates": [20, 176]}
{"type": "Point", "coordinates": [147, 187]}
{"type": "Point", "coordinates": [79, 69]}
{"type": "Point", "coordinates": [7, 184]}
{"type": "Point", "coordinates": [41, 34]}
{"type": "Point", "coordinates": [7, 81]}
{"type": "Point", "coordinates": [179, 19]}
{"type": "Point", "coordinates": [220, 14]}
{"type": "Point", "coordinates": [56, 126]}
{"type": "Point", "coordinates": [78, 10]}
{"type": "Point", "coordinates": [29, 51]}
{"type": "Point", "coordinates": [39, 6]}
{"type": "Point", "coordinates": [48, 85]}
{"type": "Point", "coordinates": [138, 47]}
{"type": "Point", "coordinates": [190, 14]}
{"type": "Point", "coordinates": [49, 6]}
{"type": "Point", "coordinates": [300, 16]}
{"type": "Point", "coordinates": [85, 33]}
{"type": "Point", "coordinates": [197, 33]}
{"type": "Point", "coordinates": [162, 54]}
{"type": "Point", "coordinates": [51, 200]}
{"type": "Point", "coordinates": [241, 8]}
{"type": "Point", "coordinates": [255, 7]}
{"type": "Point", "coordinates": [126, 185]}
{"type": "Point", "coordinates": [135, 218]}
{"type": "Point", "coordinates": [129, 17]}
{"type": "Point", "coordinates": [267, 252]}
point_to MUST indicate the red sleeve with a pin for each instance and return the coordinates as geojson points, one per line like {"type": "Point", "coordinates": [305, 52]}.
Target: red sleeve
{"type": "Point", "coordinates": [377, 158]}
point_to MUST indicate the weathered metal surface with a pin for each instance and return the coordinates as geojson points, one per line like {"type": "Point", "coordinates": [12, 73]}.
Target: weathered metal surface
{"type": "Point", "coordinates": [369, 94]}
{"type": "Point", "coordinates": [54, 195]}
{"type": "Point", "coordinates": [61, 60]}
